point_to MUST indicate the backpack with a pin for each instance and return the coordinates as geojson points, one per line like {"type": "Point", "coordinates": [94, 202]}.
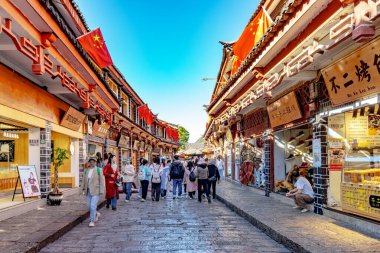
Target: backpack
{"type": "Point", "coordinates": [156, 178]}
{"type": "Point", "coordinates": [175, 171]}
{"type": "Point", "coordinates": [141, 174]}
{"type": "Point", "coordinates": [192, 176]}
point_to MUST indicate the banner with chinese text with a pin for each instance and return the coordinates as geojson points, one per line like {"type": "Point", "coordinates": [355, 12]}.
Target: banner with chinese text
{"type": "Point", "coordinates": [355, 76]}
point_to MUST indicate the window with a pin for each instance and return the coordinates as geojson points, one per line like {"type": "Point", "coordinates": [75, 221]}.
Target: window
{"type": "Point", "coordinates": [125, 104]}
{"type": "Point", "coordinates": [113, 86]}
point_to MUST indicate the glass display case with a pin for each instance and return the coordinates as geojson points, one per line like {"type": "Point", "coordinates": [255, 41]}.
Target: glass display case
{"type": "Point", "coordinates": [360, 187]}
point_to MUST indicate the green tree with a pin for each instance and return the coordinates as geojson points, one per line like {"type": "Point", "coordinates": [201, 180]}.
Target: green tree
{"type": "Point", "coordinates": [183, 136]}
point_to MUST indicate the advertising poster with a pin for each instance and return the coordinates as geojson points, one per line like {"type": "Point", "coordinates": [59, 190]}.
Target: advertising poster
{"type": "Point", "coordinates": [29, 181]}
{"type": "Point", "coordinates": [373, 125]}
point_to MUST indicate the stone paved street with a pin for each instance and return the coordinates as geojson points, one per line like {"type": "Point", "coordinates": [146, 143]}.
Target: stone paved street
{"type": "Point", "coordinates": [181, 225]}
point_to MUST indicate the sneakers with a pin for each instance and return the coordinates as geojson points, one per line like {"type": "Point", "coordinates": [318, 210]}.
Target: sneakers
{"type": "Point", "coordinates": [153, 199]}
{"type": "Point", "coordinates": [92, 224]}
{"type": "Point", "coordinates": [304, 210]}
{"type": "Point", "coordinates": [142, 200]}
{"type": "Point", "coordinates": [107, 206]}
{"type": "Point", "coordinates": [296, 207]}
{"type": "Point", "coordinates": [126, 201]}
{"type": "Point", "coordinates": [97, 216]}
{"type": "Point", "coordinates": [173, 197]}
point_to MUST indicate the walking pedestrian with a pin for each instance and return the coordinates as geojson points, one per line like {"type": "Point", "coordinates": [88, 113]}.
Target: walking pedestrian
{"type": "Point", "coordinates": [220, 165]}
{"type": "Point", "coordinates": [128, 173]}
{"type": "Point", "coordinates": [177, 172]}
{"type": "Point", "coordinates": [213, 177]}
{"type": "Point", "coordinates": [93, 186]}
{"type": "Point", "coordinates": [111, 174]}
{"type": "Point", "coordinates": [156, 179]}
{"type": "Point", "coordinates": [202, 176]}
{"type": "Point", "coordinates": [144, 176]}
{"type": "Point", "coordinates": [164, 177]}
{"type": "Point", "coordinates": [190, 179]}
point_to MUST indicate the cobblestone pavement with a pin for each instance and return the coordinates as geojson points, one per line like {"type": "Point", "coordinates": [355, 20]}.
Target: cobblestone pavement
{"type": "Point", "coordinates": [181, 225]}
{"type": "Point", "coordinates": [312, 232]}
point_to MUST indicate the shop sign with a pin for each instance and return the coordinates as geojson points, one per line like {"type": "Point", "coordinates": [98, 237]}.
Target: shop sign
{"type": "Point", "coordinates": [72, 119]}
{"type": "Point", "coordinates": [113, 134]}
{"type": "Point", "coordinates": [100, 130]}
{"type": "Point", "coordinates": [34, 143]}
{"type": "Point", "coordinates": [284, 110]}
{"type": "Point", "coordinates": [354, 77]}
{"type": "Point", "coordinates": [89, 127]}
{"type": "Point", "coordinates": [123, 141]}
{"type": "Point", "coordinates": [317, 153]}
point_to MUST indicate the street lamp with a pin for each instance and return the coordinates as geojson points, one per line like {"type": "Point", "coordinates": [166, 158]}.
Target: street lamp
{"type": "Point", "coordinates": [211, 78]}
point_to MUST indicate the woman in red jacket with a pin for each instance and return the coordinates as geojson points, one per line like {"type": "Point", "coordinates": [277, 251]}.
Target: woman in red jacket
{"type": "Point", "coordinates": [111, 173]}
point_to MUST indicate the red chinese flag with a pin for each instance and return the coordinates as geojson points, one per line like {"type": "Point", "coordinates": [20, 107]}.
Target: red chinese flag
{"type": "Point", "coordinates": [143, 111]}
{"type": "Point", "coordinates": [149, 119]}
{"type": "Point", "coordinates": [95, 46]}
{"type": "Point", "coordinates": [249, 38]}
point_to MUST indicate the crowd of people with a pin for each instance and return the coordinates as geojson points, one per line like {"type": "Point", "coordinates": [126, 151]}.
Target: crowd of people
{"type": "Point", "coordinates": [182, 178]}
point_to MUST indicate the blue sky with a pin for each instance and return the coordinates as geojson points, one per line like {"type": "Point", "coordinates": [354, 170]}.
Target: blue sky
{"type": "Point", "coordinates": [165, 47]}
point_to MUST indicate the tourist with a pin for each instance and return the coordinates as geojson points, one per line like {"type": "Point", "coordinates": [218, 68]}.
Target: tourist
{"type": "Point", "coordinates": [144, 176]}
{"type": "Point", "coordinates": [190, 179]}
{"type": "Point", "coordinates": [220, 165]}
{"type": "Point", "coordinates": [164, 177]}
{"type": "Point", "coordinates": [128, 178]}
{"type": "Point", "coordinates": [112, 188]}
{"type": "Point", "coordinates": [176, 174]}
{"type": "Point", "coordinates": [93, 187]}
{"type": "Point", "coordinates": [156, 179]}
{"type": "Point", "coordinates": [213, 176]}
{"type": "Point", "coordinates": [202, 176]}
{"type": "Point", "coordinates": [303, 193]}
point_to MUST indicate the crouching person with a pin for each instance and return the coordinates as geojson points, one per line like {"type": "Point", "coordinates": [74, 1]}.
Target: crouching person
{"type": "Point", "coordinates": [303, 193]}
{"type": "Point", "coordinates": [93, 185]}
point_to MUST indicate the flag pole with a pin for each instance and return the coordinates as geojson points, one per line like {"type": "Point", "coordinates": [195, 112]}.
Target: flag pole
{"type": "Point", "coordinates": [266, 13]}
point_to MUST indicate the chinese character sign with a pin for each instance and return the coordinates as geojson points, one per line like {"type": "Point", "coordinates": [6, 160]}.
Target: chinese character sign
{"type": "Point", "coordinates": [284, 110]}
{"type": "Point", "coordinates": [355, 76]}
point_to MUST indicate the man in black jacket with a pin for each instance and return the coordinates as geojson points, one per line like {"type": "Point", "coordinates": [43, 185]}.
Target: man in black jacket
{"type": "Point", "coordinates": [213, 176]}
{"type": "Point", "coordinates": [177, 172]}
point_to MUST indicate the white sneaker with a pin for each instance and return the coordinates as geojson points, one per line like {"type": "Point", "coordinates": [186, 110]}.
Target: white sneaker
{"type": "Point", "coordinates": [92, 224]}
{"type": "Point", "coordinates": [304, 210]}
{"type": "Point", "coordinates": [97, 216]}
{"type": "Point", "coordinates": [142, 200]}
{"type": "Point", "coordinates": [126, 201]}
{"type": "Point", "coordinates": [296, 207]}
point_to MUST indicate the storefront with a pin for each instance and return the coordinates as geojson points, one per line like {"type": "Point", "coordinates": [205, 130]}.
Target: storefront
{"type": "Point", "coordinates": [252, 155]}
{"type": "Point", "coordinates": [96, 138]}
{"type": "Point", "coordinates": [124, 145]}
{"type": "Point", "coordinates": [353, 132]}
{"type": "Point", "coordinates": [290, 118]}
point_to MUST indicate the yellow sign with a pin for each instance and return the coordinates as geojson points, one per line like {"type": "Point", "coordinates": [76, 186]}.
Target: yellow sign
{"type": "Point", "coordinates": [284, 110]}
{"type": "Point", "coordinates": [354, 77]}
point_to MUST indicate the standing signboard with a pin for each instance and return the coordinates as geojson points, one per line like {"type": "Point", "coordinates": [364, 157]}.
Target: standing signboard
{"type": "Point", "coordinates": [27, 176]}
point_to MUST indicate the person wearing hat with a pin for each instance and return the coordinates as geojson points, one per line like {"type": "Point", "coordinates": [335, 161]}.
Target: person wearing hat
{"type": "Point", "coordinates": [93, 186]}
{"type": "Point", "coordinates": [202, 175]}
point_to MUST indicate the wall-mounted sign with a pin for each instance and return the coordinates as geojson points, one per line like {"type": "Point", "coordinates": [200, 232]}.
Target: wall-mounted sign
{"type": "Point", "coordinates": [73, 119]}
{"type": "Point", "coordinates": [284, 110]}
{"type": "Point", "coordinates": [89, 127]}
{"type": "Point", "coordinates": [354, 77]}
{"type": "Point", "coordinates": [100, 130]}
{"type": "Point", "coordinates": [113, 134]}
{"type": "Point", "coordinates": [317, 153]}
{"type": "Point", "coordinates": [34, 143]}
{"type": "Point", "coordinates": [124, 141]}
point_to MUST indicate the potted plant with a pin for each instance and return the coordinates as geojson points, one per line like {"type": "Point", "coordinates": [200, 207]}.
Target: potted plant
{"type": "Point", "coordinates": [55, 197]}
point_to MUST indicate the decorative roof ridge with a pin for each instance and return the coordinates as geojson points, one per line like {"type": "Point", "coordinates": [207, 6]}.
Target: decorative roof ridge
{"type": "Point", "coordinates": [276, 25]}
{"type": "Point", "coordinates": [80, 14]}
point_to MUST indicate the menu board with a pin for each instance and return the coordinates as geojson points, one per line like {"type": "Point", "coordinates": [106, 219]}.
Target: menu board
{"type": "Point", "coordinates": [357, 131]}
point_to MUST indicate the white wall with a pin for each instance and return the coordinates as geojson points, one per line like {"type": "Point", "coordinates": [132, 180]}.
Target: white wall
{"type": "Point", "coordinates": [34, 151]}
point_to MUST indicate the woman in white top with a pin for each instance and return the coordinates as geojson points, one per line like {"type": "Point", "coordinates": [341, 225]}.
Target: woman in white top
{"type": "Point", "coordinates": [128, 178]}
{"type": "Point", "coordinates": [303, 193]}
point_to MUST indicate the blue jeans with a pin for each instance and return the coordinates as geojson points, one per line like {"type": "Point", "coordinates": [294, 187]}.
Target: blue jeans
{"type": "Point", "coordinates": [177, 182]}
{"type": "Point", "coordinates": [113, 201]}
{"type": "Point", "coordinates": [92, 203]}
{"type": "Point", "coordinates": [127, 188]}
